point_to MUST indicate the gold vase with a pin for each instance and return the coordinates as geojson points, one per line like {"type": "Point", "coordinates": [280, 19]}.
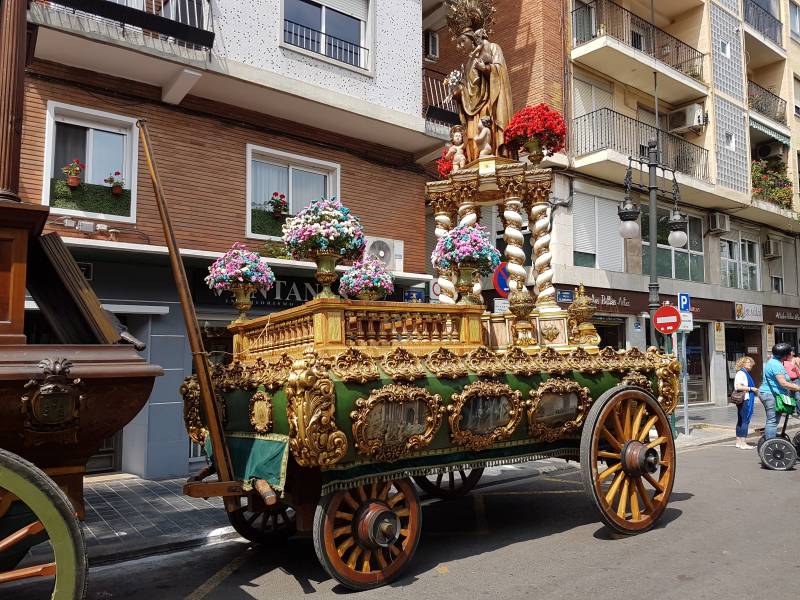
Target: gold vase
{"type": "Point", "coordinates": [534, 148]}
{"type": "Point", "coordinates": [326, 274]}
{"type": "Point", "coordinates": [466, 272]}
{"type": "Point", "coordinates": [371, 295]}
{"type": "Point", "coordinates": [243, 299]}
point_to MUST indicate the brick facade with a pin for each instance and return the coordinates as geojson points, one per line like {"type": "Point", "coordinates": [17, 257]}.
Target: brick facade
{"type": "Point", "coordinates": [201, 152]}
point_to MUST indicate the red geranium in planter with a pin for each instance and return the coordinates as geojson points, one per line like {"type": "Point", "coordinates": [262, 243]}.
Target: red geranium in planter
{"type": "Point", "coordinates": [116, 182]}
{"type": "Point", "coordinates": [73, 172]}
{"type": "Point", "coordinates": [540, 129]}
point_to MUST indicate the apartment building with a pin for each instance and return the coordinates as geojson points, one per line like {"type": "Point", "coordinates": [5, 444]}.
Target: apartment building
{"type": "Point", "coordinates": [725, 71]}
{"type": "Point", "coordinates": [306, 98]}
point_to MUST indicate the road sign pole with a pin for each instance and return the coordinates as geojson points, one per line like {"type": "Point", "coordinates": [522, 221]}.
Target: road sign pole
{"type": "Point", "coordinates": [683, 338]}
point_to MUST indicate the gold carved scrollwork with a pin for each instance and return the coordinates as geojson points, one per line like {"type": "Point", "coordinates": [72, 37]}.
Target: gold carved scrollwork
{"type": "Point", "coordinates": [610, 360]}
{"type": "Point", "coordinates": [551, 361]}
{"type": "Point", "coordinates": [51, 406]}
{"type": "Point", "coordinates": [279, 371]}
{"type": "Point", "coordinates": [314, 439]}
{"type": "Point", "coordinates": [484, 362]}
{"type": "Point", "coordinates": [354, 366]}
{"type": "Point", "coordinates": [544, 432]}
{"type": "Point", "coordinates": [668, 388]}
{"type": "Point", "coordinates": [261, 412]}
{"type": "Point", "coordinates": [192, 416]}
{"type": "Point", "coordinates": [402, 365]}
{"type": "Point", "coordinates": [393, 442]}
{"type": "Point", "coordinates": [549, 332]}
{"type": "Point", "coordinates": [445, 364]}
{"type": "Point", "coordinates": [483, 391]}
{"type": "Point", "coordinates": [233, 376]}
{"type": "Point", "coordinates": [580, 360]}
{"type": "Point", "coordinates": [520, 362]}
{"type": "Point", "coordinates": [639, 380]}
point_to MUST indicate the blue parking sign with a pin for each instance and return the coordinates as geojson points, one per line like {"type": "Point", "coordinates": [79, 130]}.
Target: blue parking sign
{"type": "Point", "coordinates": [684, 303]}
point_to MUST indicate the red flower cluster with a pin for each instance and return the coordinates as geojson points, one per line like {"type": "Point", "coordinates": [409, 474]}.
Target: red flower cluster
{"type": "Point", "coordinates": [540, 123]}
{"type": "Point", "coordinates": [444, 165]}
{"type": "Point", "coordinates": [74, 168]}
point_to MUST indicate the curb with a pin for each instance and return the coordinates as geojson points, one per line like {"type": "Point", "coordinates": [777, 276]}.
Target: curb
{"type": "Point", "coordinates": [728, 438]}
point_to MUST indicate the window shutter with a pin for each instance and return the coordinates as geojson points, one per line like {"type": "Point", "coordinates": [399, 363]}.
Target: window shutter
{"type": "Point", "coordinates": [602, 98]}
{"type": "Point", "coordinates": [584, 226]}
{"type": "Point", "coordinates": [582, 102]}
{"type": "Point", "coordinates": [608, 238]}
{"type": "Point", "coordinates": [358, 9]}
{"type": "Point", "coordinates": [789, 268]}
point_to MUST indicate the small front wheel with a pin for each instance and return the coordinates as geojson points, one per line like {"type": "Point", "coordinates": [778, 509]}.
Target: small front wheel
{"type": "Point", "coordinates": [778, 454]}
{"type": "Point", "coordinates": [275, 524]}
{"type": "Point", "coordinates": [449, 486]}
{"type": "Point", "coordinates": [628, 459]}
{"type": "Point", "coordinates": [365, 536]}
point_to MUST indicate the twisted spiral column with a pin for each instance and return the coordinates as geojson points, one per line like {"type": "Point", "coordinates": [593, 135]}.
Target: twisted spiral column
{"type": "Point", "coordinates": [515, 255]}
{"type": "Point", "coordinates": [442, 209]}
{"type": "Point", "coordinates": [540, 217]}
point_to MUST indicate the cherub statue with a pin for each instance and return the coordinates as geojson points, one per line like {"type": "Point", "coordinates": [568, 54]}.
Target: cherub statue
{"type": "Point", "coordinates": [483, 139]}
{"type": "Point", "coordinates": [457, 151]}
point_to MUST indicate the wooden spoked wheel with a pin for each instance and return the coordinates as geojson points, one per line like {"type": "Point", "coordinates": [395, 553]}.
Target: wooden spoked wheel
{"type": "Point", "coordinates": [275, 524]}
{"type": "Point", "coordinates": [34, 510]}
{"type": "Point", "coordinates": [628, 459]}
{"type": "Point", "coordinates": [366, 535]}
{"type": "Point", "coordinates": [449, 486]}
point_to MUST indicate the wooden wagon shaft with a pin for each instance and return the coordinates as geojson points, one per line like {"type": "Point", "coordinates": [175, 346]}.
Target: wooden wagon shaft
{"type": "Point", "coordinates": [221, 456]}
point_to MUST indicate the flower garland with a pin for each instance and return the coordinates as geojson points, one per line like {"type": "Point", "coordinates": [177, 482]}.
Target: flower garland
{"type": "Point", "coordinates": [466, 244]}
{"type": "Point", "coordinates": [324, 226]}
{"type": "Point", "coordinates": [540, 123]}
{"type": "Point", "coordinates": [444, 165]}
{"type": "Point", "coordinates": [366, 275]}
{"type": "Point", "coordinates": [239, 266]}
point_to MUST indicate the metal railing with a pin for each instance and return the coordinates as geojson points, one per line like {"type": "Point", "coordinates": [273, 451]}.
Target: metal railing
{"type": "Point", "coordinates": [766, 103]}
{"type": "Point", "coordinates": [606, 129]}
{"type": "Point", "coordinates": [604, 17]}
{"type": "Point", "coordinates": [763, 21]}
{"type": "Point", "coordinates": [437, 105]}
{"type": "Point", "coordinates": [326, 45]}
{"type": "Point", "coordinates": [185, 22]}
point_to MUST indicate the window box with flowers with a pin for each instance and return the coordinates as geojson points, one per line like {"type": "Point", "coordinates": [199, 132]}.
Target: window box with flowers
{"type": "Point", "coordinates": [770, 182]}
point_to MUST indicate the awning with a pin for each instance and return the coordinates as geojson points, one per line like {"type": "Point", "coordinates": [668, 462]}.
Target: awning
{"type": "Point", "coordinates": [774, 133]}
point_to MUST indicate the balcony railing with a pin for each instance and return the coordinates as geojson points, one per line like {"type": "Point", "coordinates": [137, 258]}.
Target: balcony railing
{"type": "Point", "coordinates": [603, 17]}
{"type": "Point", "coordinates": [766, 103]}
{"type": "Point", "coordinates": [324, 44]}
{"type": "Point", "coordinates": [437, 105]}
{"type": "Point", "coordinates": [185, 22]}
{"type": "Point", "coordinates": [605, 129]}
{"type": "Point", "coordinates": [763, 21]}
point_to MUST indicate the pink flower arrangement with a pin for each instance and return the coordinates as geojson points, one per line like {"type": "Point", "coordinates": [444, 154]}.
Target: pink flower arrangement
{"type": "Point", "coordinates": [239, 266]}
{"type": "Point", "coordinates": [540, 123]}
{"type": "Point", "coordinates": [367, 275]}
{"type": "Point", "coordinates": [324, 226]}
{"type": "Point", "coordinates": [466, 244]}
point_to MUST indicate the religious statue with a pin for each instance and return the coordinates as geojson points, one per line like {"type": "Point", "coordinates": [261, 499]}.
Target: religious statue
{"type": "Point", "coordinates": [483, 140]}
{"type": "Point", "coordinates": [481, 87]}
{"type": "Point", "coordinates": [456, 151]}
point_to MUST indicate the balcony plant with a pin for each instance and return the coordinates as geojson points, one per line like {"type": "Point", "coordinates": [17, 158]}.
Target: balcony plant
{"type": "Point", "coordinates": [539, 129]}
{"type": "Point", "coordinates": [325, 231]}
{"type": "Point", "coordinates": [465, 249]}
{"type": "Point", "coordinates": [73, 172]}
{"type": "Point", "coordinates": [367, 279]}
{"type": "Point", "coordinates": [769, 182]}
{"type": "Point", "coordinates": [277, 205]}
{"type": "Point", "coordinates": [242, 273]}
{"type": "Point", "coordinates": [116, 182]}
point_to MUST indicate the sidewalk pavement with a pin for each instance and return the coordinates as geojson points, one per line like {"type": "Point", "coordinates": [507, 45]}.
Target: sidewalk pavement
{"type": "Point", "coordinates": [128, 517]}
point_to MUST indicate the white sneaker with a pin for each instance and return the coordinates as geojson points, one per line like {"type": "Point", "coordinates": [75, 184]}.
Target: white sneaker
{"type": "Point", "coordinates": [744, 446]}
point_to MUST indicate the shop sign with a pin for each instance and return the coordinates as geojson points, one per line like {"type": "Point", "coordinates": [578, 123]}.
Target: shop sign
{"type": "Point", "coordinates": [719, 337]}
{"type": "Point", "coordinates": [286, 293]}
{"type": "Point", "coordinates": [782, 315]}
{"type": "Point", "coordinates": [748, 312]}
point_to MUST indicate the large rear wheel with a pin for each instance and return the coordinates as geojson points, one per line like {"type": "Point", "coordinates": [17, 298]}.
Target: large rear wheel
{"type": "Point", "coordinates": [34, 510]}
{"type": "Point", "coordinates": [365, 536]}
{"type": "Point", "coordinates": [628, 459]}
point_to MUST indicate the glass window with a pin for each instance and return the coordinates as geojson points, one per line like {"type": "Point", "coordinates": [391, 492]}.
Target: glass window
{"type": "Point", "coordinates": [299, 184]}
{"type": "Point", "coordinates": [794, 19]}
{"type": "Point", "coordinates": [584, 259]}
{"type": "Point", "coordinates": [678, 263]}
{"type": "Point", "coordinates": [739, 264]}
{"type": "Point", "coordinates": [311, 26]}
{"type": "Point", "coordinates": [777, 284]}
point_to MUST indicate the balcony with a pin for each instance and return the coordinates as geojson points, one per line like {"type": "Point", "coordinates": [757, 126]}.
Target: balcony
{"type": "Point", "coordinates": [438, 108]}
{"type": "Point", "coordinates": [763, 22]}
{"type": "Point", "coordinates": [605, 136]}
{"type": "Point", "coordinates": [320, 43]}
{"type": "Point", "coordinates": [763, 36]}
{"type": "Point", "coordinates": [612, 40]}
{"type": "Point", "coordinates": [765, 103]}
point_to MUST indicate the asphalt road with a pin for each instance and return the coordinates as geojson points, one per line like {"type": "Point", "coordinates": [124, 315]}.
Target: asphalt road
{"type": "Point", "coordinates": [729, 532]}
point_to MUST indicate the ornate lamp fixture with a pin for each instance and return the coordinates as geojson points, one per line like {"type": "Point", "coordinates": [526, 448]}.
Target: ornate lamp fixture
{"type": "Point", "coordinates": [628, 212]}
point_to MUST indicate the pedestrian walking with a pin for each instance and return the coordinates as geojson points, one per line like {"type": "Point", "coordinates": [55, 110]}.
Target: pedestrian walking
{"type": "Point", "coordinates": [743, 382]}
{"type": "Point", "coordinates": [776, 381]}
{"type": "Point", "coordinates": [792, 365]}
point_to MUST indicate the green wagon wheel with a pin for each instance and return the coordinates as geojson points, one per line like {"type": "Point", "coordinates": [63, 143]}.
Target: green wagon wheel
{"type": "Point", "coordinates": [628, 459]}
{"type": "Point", "coordinates": [52, 519]}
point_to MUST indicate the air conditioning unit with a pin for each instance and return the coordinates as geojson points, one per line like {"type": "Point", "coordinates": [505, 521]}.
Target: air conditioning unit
{"type": "Point", "coordinates": [431, 45]}
{"type": "Point", "coordinates": [686, 118]}
{"type": "Point", "coordinates": [772, 249]}
{"type": "Point", "coordinates": [773, 150]}
{"type": "Point", "coordinates": [389, 251]}
{"type": "Point", "coordinates": [719, 223]}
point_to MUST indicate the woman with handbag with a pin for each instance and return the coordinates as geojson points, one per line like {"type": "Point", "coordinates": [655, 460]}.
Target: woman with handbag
{"type": "Point", "coordinates": [743, 396]}
{"type": "Point", "coordinates": [775, 383]}
{"type": "Point", "coordinates": [792, 365]}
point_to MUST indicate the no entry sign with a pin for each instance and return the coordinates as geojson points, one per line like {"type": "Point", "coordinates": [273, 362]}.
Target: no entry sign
{"type": "Point", "coordinates": [667, 319]}
{"type": "Point", "coordinates": [501, 279]}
